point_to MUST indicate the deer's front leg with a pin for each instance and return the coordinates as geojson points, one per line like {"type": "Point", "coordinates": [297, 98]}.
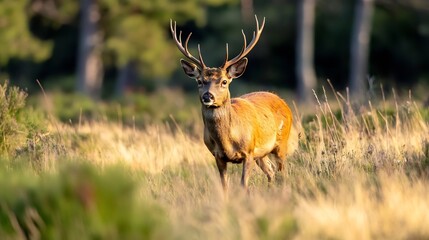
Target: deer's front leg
{"type": "Point", "coordinates": [248, 164]}
{"type": "Point", "coordinates": [221, 165]}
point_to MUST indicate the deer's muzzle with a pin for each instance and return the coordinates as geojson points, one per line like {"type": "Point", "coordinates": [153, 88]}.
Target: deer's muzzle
{"type": "Point", "coordinates": [207, 99]}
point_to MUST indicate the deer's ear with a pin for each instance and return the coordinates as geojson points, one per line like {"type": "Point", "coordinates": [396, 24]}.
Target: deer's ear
{"type": "Point", "coordinates": [190, 69]}
{"type": "Point", "coordinates": [237, 69]}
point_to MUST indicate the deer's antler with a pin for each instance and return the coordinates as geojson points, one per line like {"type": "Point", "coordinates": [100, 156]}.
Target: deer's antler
{"type": "Point", "coordinates": [184, 48]}
{"type": "Point", "coordinates": [246, 49]}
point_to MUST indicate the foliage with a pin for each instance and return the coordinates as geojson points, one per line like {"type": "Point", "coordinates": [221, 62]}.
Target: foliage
{"type": "Point", "coordinates": [17, 123]}
{"type": "Point", "coordinates": [135, 109]}
{"type": "Point", "coordinates": [410, 29]}
{"type": "Point", "coordinates": [138, 31]}
{"type": "Point", "coordinates": [16, 39]}
{"type": "Point", "coordinates": [155, 55]}
{"type": "Point", "coordinates": [72, 107]}
{"type": "Point", "coordinates": [135, 31]}
{"type": "Point", "coordinates": [77, 202]}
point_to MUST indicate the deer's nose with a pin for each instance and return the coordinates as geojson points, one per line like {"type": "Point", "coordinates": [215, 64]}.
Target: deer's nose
{"type": "Point", "coordinates": [207, 97]}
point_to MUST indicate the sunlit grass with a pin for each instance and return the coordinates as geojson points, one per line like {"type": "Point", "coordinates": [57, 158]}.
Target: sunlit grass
{"type": "Point", "coordinates": [356, 172]}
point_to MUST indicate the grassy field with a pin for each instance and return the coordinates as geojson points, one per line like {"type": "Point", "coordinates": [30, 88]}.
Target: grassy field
{"type": "Point", "coordinates": [355, 172]}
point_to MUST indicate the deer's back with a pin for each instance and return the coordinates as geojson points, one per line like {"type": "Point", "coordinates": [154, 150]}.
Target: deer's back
{"type": "Point", "coordinates": [264, 103]}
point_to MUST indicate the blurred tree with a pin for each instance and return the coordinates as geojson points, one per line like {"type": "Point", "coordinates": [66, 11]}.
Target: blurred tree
{"type": "Point", "coordinates": [136, 47]}
{"type": "Point", "coordinates": [137, 39]}
{"type": "Point", "coordinates": [306, 77]}
{"type": "Point", "coordinates": [247, 11]}
{"type": "Point", "coordinates": [57, 12]}
{"type": "Point", "coordinates": [139, 42]}
{"type": "Point", "coordinates": [90, 64]}
{"type": "Point", "coordinates": [130, 35]}
{"type": "Point", "coordinates": [359, 48]}
{"type": "Point", "coordinates": [400, 42]}
{"type": "Point", "coordinates": [421, 5]}
{"type": "Point", "coordinates": [15, 37]}
{"type": "Point", "coordinates": [56, 21]}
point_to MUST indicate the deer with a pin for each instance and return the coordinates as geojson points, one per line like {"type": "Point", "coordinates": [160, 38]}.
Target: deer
{"type": "Point", "coordinates": [246, 129]}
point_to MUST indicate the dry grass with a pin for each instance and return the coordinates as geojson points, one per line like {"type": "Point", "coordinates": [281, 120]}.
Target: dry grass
{"type": "Point", "coordinates": [151, 150]}
{"type": "Point", "coordinates": [394, 209]}
{"type": "Point", "coordinates": [364, 176]}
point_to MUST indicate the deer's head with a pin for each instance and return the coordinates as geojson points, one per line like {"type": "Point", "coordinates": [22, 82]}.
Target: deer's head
{"type": "Point", "coordinates": [213, 83]}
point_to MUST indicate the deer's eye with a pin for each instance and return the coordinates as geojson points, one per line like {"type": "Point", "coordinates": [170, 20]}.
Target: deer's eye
{"type": "Point", "coordinates": [224, 83]}
{"type": "Point", "coordinates": [199, 82]}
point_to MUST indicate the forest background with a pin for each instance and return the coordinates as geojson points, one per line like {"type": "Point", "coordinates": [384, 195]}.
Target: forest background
{"type": "Point", "coordinates": [105, 48]}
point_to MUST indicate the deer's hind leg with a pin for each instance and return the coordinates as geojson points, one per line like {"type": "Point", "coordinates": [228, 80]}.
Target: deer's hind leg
{"type": "Point", "coordinates": [282, 148]}
{"type": "Point", "coordinates": [280, 156]}
{"type": "Point", "coordinates": [265, 164]}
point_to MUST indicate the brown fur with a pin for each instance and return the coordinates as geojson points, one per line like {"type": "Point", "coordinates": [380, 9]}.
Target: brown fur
{"type": "Point", "coordinates": [240, 130]}
{"type": "Point", "coordinates": [243, 129]}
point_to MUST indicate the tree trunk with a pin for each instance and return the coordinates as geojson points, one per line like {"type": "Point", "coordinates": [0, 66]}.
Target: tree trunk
{"type": "Point", "coordinates": [247, 11]}
{"type": "Point", "coordinates": [126, 78]}
{"type": "Point", "coordinates": [359, 47]}
{"type": "Point", "coordinates": [90, 66]}
{"type": "Point", "coordinates": [305, 73]}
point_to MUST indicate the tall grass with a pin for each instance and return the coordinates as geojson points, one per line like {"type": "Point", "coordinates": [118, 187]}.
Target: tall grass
{"type": "Point", "coordinates": [358, 172]}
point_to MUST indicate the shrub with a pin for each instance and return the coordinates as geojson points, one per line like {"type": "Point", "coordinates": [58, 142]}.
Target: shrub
{"type": "Point", "coordinates": [12, 131]}
{"type": "Point", "coordinates": [69, 107]}
{"type": "Point", "coordinates": [77, 203]}
{"type": "Point", "coordinates": [17, 123]}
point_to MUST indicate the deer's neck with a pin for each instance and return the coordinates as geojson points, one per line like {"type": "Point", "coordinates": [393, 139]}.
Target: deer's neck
{"type": "Point", "coordinates": [218, 120]}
